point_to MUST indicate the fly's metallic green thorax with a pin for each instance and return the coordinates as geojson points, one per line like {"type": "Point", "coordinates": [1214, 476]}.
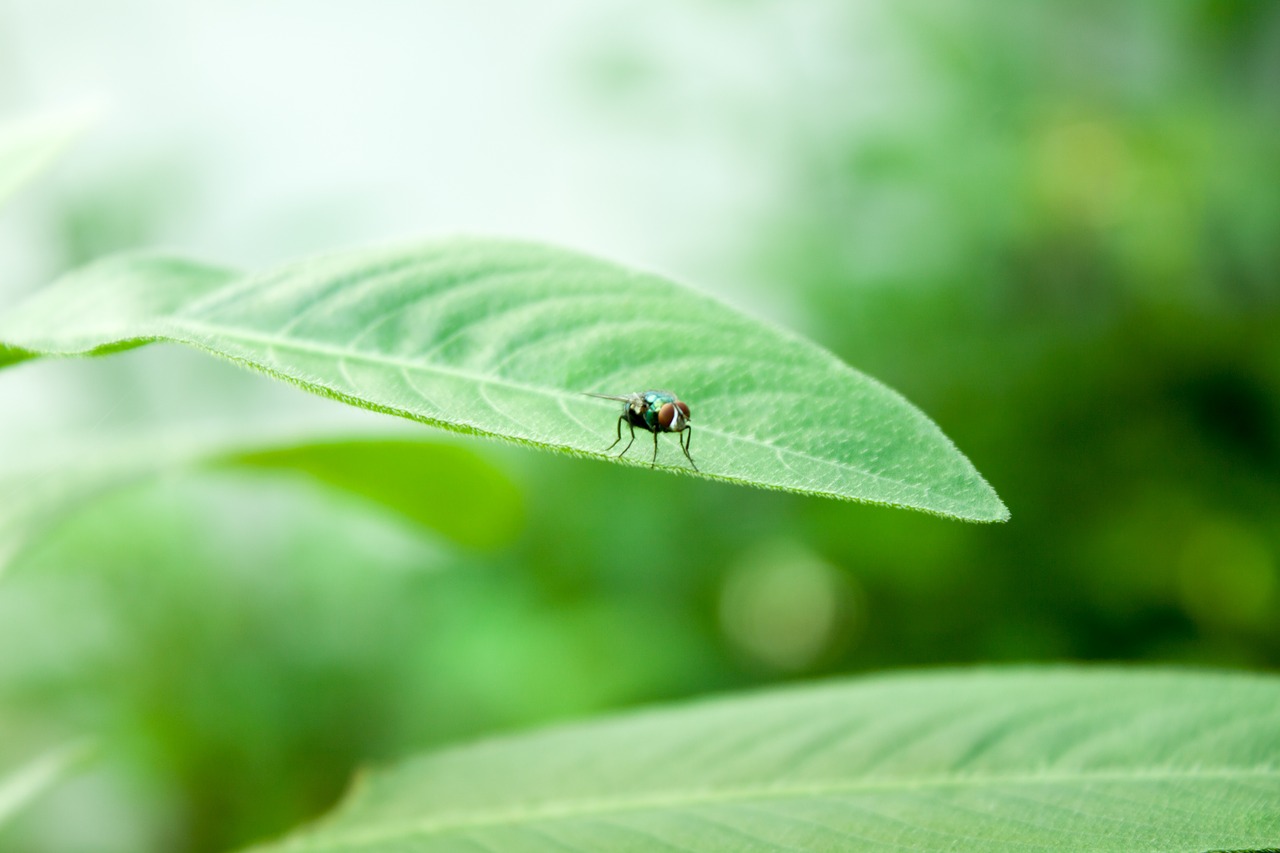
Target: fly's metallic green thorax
{"type": "Point", "coordinates": [655, 411]}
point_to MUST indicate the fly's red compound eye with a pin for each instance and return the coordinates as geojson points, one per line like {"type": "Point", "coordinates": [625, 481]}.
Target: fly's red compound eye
{"type": "Point", "coordinates": [684, 409]}
{"type": "Point", "coordinates": [666, 415]}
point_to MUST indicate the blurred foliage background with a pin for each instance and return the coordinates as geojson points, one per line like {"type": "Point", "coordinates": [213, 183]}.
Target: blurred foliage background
{"type": "Point", "coordinates": [1055, 227]}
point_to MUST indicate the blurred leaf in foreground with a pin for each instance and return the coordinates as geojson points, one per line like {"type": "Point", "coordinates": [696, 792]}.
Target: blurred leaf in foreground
{"type": "Point", "coordinates": [1061, 759]}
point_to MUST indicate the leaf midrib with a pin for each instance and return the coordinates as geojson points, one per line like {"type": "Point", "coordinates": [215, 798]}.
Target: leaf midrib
{"type": "Point", "coordinates": [304, 345]}
{"type": "Point", "coordinates": [621, 805]}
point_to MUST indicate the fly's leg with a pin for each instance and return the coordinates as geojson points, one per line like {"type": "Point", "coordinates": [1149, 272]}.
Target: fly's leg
{"type": "Point", "coordinates": [655, 449]}
{"type": "Point", "coordinates": [684, 445]}
{"type": "Point", "coordinates": [629, 443]}
{"type": "Point", "coordinates": [615, 444]}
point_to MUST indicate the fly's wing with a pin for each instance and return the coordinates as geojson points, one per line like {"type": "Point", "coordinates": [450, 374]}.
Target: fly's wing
{"type": "Point", "coordinates": [637, 403]}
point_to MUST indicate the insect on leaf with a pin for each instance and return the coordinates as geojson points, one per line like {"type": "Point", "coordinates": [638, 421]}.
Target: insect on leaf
{"type": "Point", "coordinates": [501, 338]}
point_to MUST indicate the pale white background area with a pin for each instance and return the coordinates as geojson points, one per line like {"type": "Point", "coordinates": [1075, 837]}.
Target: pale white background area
{"type": "Point", "coordinates": [638, 132]}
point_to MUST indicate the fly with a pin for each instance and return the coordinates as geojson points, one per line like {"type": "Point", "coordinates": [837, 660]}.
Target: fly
{"type": "Point", "coordinates": [655, 411]}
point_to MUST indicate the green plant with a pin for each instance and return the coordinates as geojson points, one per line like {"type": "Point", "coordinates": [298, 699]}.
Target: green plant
{"type": "Point", "coordinates": [501, 339]}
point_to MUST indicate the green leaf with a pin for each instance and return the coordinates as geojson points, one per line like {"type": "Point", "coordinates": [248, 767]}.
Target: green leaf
{"type": "Point", "coordinates": [19, 787]}
{"type": "Point", "coordinates": [449, 489]}
{"type": "Point", "coordinates": [446, 488]}
{"type": "Point", "coordinates": [28, 147]}
{"type": "Point", "coordinates": [1018, 760]}
{"type": "Point", "coordinates": [501, 338]}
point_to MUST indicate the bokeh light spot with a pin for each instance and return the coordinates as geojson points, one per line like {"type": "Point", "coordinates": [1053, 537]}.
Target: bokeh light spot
{"type": "Point", "coordinates": [1227, 576]}
{"type": "Point", "coordinates": [785, 608]}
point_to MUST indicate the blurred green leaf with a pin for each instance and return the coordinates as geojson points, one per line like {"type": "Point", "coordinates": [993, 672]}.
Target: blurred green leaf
{"type": "Point", "coordinates": [28, 147]}
{"type": "Point", "coordinates": [237, 642]}
{"type": "Point", "coordinates": [19, 787]}
{"type": "Point", "coordinates": [501, 339]}
{"type": "Point", "coordinates": [1067, 760]}
{"type": "Point", "coordinates": [441, 486]}
{"type": "Point", "coordinates": [105, 313]}
{"type": "Point", "coordinates": [446, 488]}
